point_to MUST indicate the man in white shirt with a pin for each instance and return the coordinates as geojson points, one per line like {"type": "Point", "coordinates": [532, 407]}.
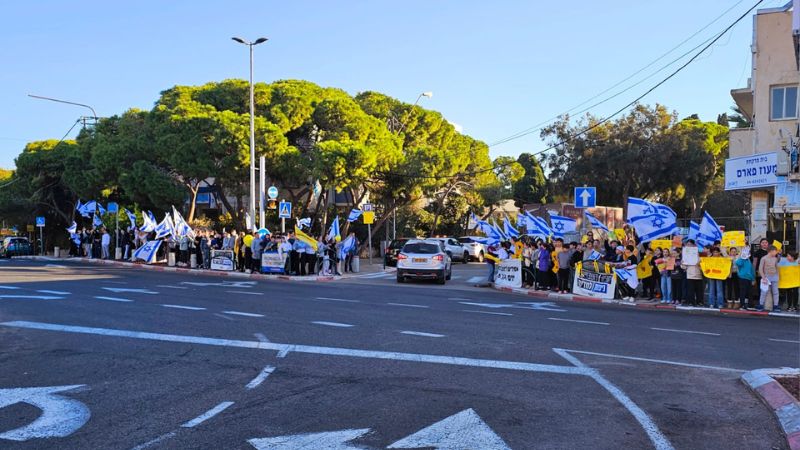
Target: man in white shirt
{"type": "Point", "coordinates": [105, 242]}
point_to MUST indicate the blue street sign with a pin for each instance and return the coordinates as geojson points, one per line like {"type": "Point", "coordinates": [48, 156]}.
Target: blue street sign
{"type": "Point", "coordinates": [40, 221]}
{"type": "Point", "coordinates": [585, 197]}
{"type": "Point", "coordinates": [112, 208]}
{"type": "Point", "coordinates": [272, 192]}
{"type": "Point", "coordinates": [285, 210]}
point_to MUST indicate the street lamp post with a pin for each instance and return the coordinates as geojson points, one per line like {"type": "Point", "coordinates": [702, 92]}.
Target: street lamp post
{"type": "Point", "coordinates": [426, 94]}
{"type": "Point", "coordinates": [253, 136]}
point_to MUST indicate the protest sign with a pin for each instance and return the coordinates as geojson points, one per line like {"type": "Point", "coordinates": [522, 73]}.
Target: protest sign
{"type": "Point", "coordinates": [716, 267]}
{"type": "Point", "coordinates": [788, 275]}
{"type": "Point", "coordinates": [591, 283]}
{"type": "Point", "coordinates": [509, 273]}
{"type": "Point", "coordinates": [272, 262]}
{"type": "Point", "coordinates": [733, 239]}
{"type": "Point", "coordinates": [690, 256]}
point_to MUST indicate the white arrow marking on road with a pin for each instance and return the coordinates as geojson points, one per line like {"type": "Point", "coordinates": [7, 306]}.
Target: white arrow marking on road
{"type": "Point", "coordinates": [330, 440]}
{"type": "Point", "coordinates": [113, 299]}
{"type": "Point", "coordinates": [45, 291]}
{"type": "Point", "coordinates": [138, 291]}
{"type": "Point", "coordinates": [489, 305]}
{"type": "Point", "coordinates": [536, 306]}
{"type": "Point", "coordinates": [57, 266]}
{"type": "Point", "coordinates": [585, 196]}
{"type": "Point", "coordinates": [33, 297]}
{"type": "Point", "coordinates": [421, 333]}
{"type": "Point", "coordinates": [333, 324]}
{"type": "Point", "coordinates": [60, 416]}
{"type": "Point", "coordinates": [236, 284]}
{"type": "Point", "coordinates": [465, 430]}
{"type": "Point", "coordinates": [9, 287]}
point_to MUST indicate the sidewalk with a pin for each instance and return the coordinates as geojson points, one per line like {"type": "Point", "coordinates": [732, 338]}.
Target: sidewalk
{"type": "Point", "coordinates": [640, 303]}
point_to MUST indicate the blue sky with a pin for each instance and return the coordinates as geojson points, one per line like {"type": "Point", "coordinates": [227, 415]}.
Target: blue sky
{"type": "Point", "coordinates": [495, 68]}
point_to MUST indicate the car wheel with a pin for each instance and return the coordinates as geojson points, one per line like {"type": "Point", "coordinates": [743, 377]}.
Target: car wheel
{"type": "Point", "coordinates": [400, 278]}
{"type": "Point", "coordinates": [480, 256]}
{"type": "Point", "coordinates": [449, 274]}
{"type": "Point", "coordinates": [442, 279]}
{"type": "Point", "coordinates": [466, 258]}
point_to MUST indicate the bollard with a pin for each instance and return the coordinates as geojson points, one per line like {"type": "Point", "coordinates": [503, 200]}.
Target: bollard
{"type": "Point", "coordinates": [171, 259]}
{"type": "Point", "coordinates": [356, 264]}
{"type": "Point", "coordinates": [56, 252]}
{"type": "Point", "coordinates": [118, 253]}
{"type": "Point", "coordinates": [193, 261]}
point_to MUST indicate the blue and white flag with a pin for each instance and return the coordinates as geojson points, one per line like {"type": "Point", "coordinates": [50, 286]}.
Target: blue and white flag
{"type": "Point", "coordinates": [594, 256]}
{"type": "Point", "coordinates": [562, 225]}
{"type": "Point", "coordinates": [628, 275]}
{"type": "Point", "coordinates": [354, 215]}
{"type": "Point", "coordinates": [76, 238]}
{"type": "Point", "coordinates": [147, 252]}
{"type": "Point", "coordinates": [709, 228]}
{"type": "Point", "coordinates": [73, 228]}
{"type": "Point", "coordinates": [248, 221]}
{"type": "Point", "coordinates": [304, 222]}
{"type": "Point", "coordinates": [333, 232]}
{"type": "Point", "coordinates": [164, 228]}
{"type": "Point", "coordinates": [263, 232]}
{"type": "Point", "coordinates": [651, 220]}
{"type": "Point", "coordinates": [492, 237]}
{"type": "Point", "coordinates": [88, 209]}
{"type": "Point", "coordinates": [149, 224]}
{"type": "Point", "coordinates": [536, 226]}
{"type": "Point", "coordinates": [699, 238]}
{"type": "Point", "coordinates": [520, 220]}
{"type": "Point", "coordinates": [181, 227]}
{"type": "Point", "coordinates": [595, 222]}
{"type": "Point", "coordinates": [131, 218]}
{"type": "Point", "coordinates": [499, 231]}
{"type": "Point", "coordinates": [78, 206]}
{"type": "Point", "coordinates": [347, 246]}
{"type": "Point", "coordinates": [694, 230]}
{"type": "Point", "coordinates": [509, 230]}
{"type": "Point", "coordinates": [101, 209]}
{"type": "Point", "coordinates": [97, 222]}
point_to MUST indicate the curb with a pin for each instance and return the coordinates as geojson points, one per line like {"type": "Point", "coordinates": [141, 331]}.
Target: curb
{"type": "Point", "coordinates": [185, 270]}
{"type": "Point", "coordinates": [785, 407]}
{"type": "Point", "coordinates": [583, 299]}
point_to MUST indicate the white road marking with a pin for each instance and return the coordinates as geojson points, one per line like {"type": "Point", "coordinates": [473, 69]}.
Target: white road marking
{"type": "Point", "coordinates": [261, 337]}
{"type": "Point", "coordinates": [309, 349]}
{"type": "Point", "coordinates": [420, 333]}
{"type": "Point", "coordinates": [465, 430]}
{"type": "Point", "coordinates": [114, 282]}
{"type": "Point", "coordinates": [476, 279]}
{"type": "Point", "coordinates": [239, 313]}
{"type": "Point", "coordinates": [487, 312]}
{"type": "Point", "coordinates": [660, 442]}
{"type": "Point", "coordinates": [155, 441]}
{"type": "Point", "coordinates": [578, 321]}
{"type": "Point", "coordinates": [489, 305]}
{"type": "Point", "coordinates": [283, 352]}
{"type": "Point", "coordinates": [221, 316]}
{"type": "Point", "coordinates": [657, 361]}
{"type": "Point", "coordinates": [685, 331]}
{"type": "Point", "coordinates": [60, 416]}
{"type": "Point", "coordinates": [345, 300]}
{"type": "Point", "coordinates": [207, 415]}
{"type": "Point", "coordinates": [245, 292]}
{"type": "Point", "coordinates": [333, 324]}
{"type": "Point", "coordinates": [331, 440]}
{"type": "Point", "coordinates": [33, 297]}
{"type": "Point", "coordinates": [135, 291]}
{"type": "Point", "coordinates": [45, 291]}
{"type": "Point", "coordinates": [230, 284]}
{"type": "Point", "coordinates": [409, 305]}
{"type": "Point", "coordinates": [113, 299]}
{"type": "Point", "coordinates": [55, 266]}
{"type": "Point", "coordinates": [785, 340]}
{"type": "Point", "coordinates": [171, 287]}
{"type": "Point", "coordinates": [191, 308]}
{"type": "Point", "coordinates": [255, 382]}
{"type": "Point", "coordinates": [455, 277]}
{"type": "Point", "coordinates": [534, 306]}
{"type": "Point", "coordinates": [10, 288]}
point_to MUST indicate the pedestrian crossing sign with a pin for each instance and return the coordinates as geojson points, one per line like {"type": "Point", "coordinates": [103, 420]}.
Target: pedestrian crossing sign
{"type": "Point", "coordinates": [285, 210]}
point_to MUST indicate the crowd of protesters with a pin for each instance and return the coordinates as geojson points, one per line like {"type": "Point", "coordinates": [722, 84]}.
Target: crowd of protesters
{"type": "Point", "coordinates": [752, 283]}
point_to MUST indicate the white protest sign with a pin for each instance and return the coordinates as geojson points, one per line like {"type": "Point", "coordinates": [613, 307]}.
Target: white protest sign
{"type": "Point", "coordinates": [594, 284]}
{"type": "Point", "coordinates": [690, 256]}
{"type": "Point", "coordinates": [222, 260]}
{"type": "Point", "coordinates": [508, 273]}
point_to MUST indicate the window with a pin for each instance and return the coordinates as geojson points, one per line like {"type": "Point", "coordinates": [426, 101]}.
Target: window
{"type": "Point", "coordinates": [784, 103]}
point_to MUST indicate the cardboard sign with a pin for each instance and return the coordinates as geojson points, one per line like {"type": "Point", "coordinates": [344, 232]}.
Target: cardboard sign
{"type": "Point", "coordinates": [272, 262]}
{"type": "Point", "coordinates": [788, 275]}
{"type": "Point", "coordinates": [677, 241]}
{"type": "Point", "coordinates": [508, 273]}
{"type": "Point", "coordinates": [222, 260]}
{"type": "Point", "coordinates": [591, 283]}
{"type": "Point", "coordinates": [620, 234]}
{"type": "Point", "coordinates": [777, 245]}
{"type": "Point", "coordinates": [665, 244]}
{"type": "Point", "coordinates": [716, 267]}
{"type": "Point", "coordinates": [733, 239]}
{"type": "Point", "coordinates": [691, 256]}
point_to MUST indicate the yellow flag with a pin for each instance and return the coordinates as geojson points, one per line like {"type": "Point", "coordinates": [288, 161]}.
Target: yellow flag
{"type": "Point", "coordinates": [644, 269]}
{"type": "Point", "coordinates": [304, 238]}
{"type": "Point", "coordinates": [788, 276]}
{"type": "Point", "coordinates": [716, 267]}
{"type": "Point", "coordinates": [620, 234]}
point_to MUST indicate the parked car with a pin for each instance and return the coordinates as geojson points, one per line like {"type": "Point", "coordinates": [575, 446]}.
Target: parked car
{"type": "Point", "coordinates": [475, 249]}
{"type": "Point", "coordinates": [424, 259]}
{"type": "Point", "coordinates": [15, 246]}
{"type": "Point", "coordinates": [390, 258]}
{"type": "Point", "coordinates": [455, 249]}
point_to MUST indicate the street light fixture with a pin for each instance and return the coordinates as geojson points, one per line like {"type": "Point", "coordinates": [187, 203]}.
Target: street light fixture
{"type": "Point", "coordinates": [40, 97]}
{"type": "Point", "coordinates": [250, 45]}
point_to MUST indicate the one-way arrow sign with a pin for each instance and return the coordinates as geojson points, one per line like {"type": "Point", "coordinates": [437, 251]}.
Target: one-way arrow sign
{"type": "Point", "coordinates": [465, 430]}
{"type": "Point", "coordinates": [61, 416]}
{"type": "Point", "coordinates": [331, 440]}
{"type": "Point", "coordinates": [585, 197]}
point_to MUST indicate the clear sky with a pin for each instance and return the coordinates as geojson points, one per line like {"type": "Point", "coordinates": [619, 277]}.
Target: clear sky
{"type": "Point", "coordinates": [495, 67]}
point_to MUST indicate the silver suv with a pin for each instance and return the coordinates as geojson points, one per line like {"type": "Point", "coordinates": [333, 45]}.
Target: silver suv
{"type": "Point", "coordinates": [425, 259]}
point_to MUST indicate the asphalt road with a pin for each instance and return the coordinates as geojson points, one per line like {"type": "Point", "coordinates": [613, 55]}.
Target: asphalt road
{"type": "Point", "coordinates": [142, 359]}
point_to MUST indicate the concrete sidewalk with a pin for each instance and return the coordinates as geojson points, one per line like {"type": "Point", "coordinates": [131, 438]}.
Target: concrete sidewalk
{"type": "Point", "coordinates": [649, 304]}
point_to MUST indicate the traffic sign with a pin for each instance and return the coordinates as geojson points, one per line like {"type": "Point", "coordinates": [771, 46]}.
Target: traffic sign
{"type": "Point", "coordinates": [285, 210]}
{"type": "Point", "coordinates": [585, 197]}
{"type": "Point", "coordinates": [366, 207]}
{"type": "Point", "coordinates": [272, 192]}
{"type": "Point", "coordinates": [40, 221]}
{"type": "Point", "coordinates": [369, 217]}
{"type": "Point", "coordinates": [112, 208]}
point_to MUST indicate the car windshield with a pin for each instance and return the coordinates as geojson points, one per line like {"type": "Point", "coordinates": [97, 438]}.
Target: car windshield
{"type": "Point", "coordinates": [421, 248]}
{"type": "Point", "coordinates": [465, 240]}
{"type": "Point", "coordinates": [397, 244]}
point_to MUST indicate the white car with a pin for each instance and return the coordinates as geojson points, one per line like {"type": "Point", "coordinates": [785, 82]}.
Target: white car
{"type": "Point", "coordinates": [425, 259]}
{"type": "Point", "coordinates": [475, 249]}
{"type": "Point", "coordinates": [454, 248]}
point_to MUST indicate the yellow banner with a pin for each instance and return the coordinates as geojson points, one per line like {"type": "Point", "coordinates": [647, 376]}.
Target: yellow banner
{"type": "Point", "coordinates": [665, 244]}
{"type": "Point", "coordinates": [620, 234]}
{"type": "Point", "coordinates": [716, 267]}
{"type": "Point", "coordinates": [304, 238]}
{"type": "Point", "coordinates": [777, 245]}
{"type": "Point", "coordinates": [644, 269]}
{"type": "Point", "coordinates": [788, 276]}
{"type": "Point", "coordinates": [733, 239]}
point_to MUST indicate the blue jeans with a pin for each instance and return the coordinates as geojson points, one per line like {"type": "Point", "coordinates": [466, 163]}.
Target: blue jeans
{"type": "Point", "coordinates": [716, 293]}
{"type": "Point", "coordinates": [666, 288]}
{"type": "Point", "coordinates": [491, 272]}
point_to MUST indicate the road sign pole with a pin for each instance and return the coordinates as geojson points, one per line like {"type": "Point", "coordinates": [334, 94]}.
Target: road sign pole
{"type": "Point", "coordinates": [369, 233]}
{"type": "Point", "coordinates": [41, 240]}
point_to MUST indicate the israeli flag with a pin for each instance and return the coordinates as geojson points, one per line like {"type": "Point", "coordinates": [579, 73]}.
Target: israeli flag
{"type": "Point", "coordinates": [334, 230]}
{"type": "Point", "coordinates": [73, 228]}
{"type": "Point", "coordinates": [97, 221]}
{"type": "Point", "coordinates": [694, 230]}
{"type": "Point", "coordinates": [651, 220]}
{"type": "Point", "coordinates": [536, 226]}
{"type": "Point", "coordinates": [263, 232]}
{"type": "Point", "coordinates": [304, 222]}
{"type": "Point", "coordinates": [147, 252]}
{"type": "Point", "coordinates": [181, 227]}
{"type": "Point", "coordinates": [499, 231]}
{"type": "Point", "coordinates": [594, 256]}
{"type": "Point", "coordinates": [348, 245]}
{"type": "Point", "coordinates": [709, 228]}
{"type": "Point", "coordinates": [562, 225]}
{"type": "Point", "coordinates": [628, 275]}
{"type": "Point", "coordinates": [509, 230]}
{"type": "Point", "coordinates": [78, 206]}
{"type": "Point", "coordinates": [131, 217]}
{"type": "Point", "coordinates": [88, 208]}
{"type": "Point", "coordinates": [149, 224]}
{"type": "Point", "coordinates": [595, 222]}
{"type": "Point", "coordinates": [164, 228]}
{"type": "Point", "coordinates": [520, 220]}
{"type": "Point", "coordinates": [101, 209]}
{"type": "Point", "coordinates": [354, 215]}
{"type": "Point", "coordinates": [492, 237]}
{"type": "Point", "coordinates": [248, 221]}
{"type": "Point", "coordinates": [699, 238]}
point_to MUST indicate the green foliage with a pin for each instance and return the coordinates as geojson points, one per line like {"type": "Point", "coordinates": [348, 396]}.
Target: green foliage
{"type": "Point", "coordinates": [532, 187]}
